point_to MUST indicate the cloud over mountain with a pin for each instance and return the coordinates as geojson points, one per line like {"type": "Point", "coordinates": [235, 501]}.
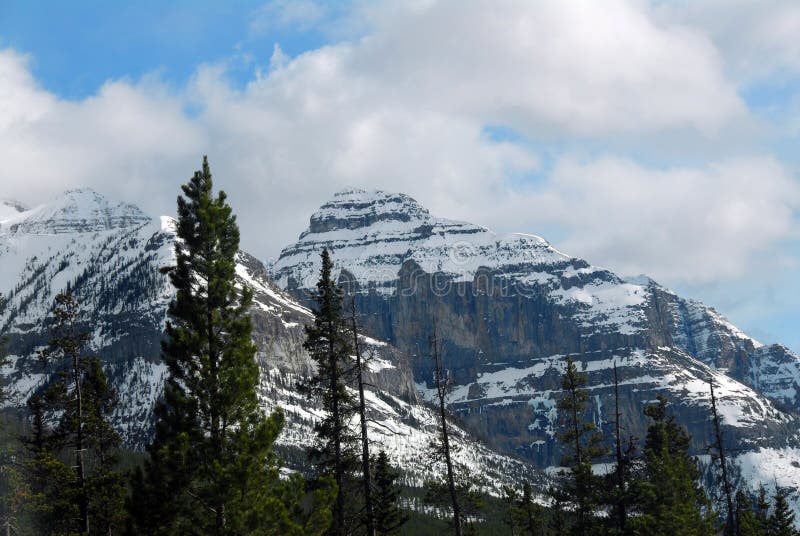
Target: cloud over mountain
{"type": "Point", "coordinates": [412, 102]}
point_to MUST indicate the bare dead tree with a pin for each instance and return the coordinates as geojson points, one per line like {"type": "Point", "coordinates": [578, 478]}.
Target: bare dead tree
{"type": "Point", "coordinates": [622, 513]}
{"type": "Point", "coordinates": [730, 529]}
{"type": "Point", "coordinates": [441, 393]}
{"type": "Point", "coordinates": [362, 411]}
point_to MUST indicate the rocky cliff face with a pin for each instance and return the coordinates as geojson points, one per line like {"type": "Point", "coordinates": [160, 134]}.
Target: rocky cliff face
{"type": "Point", "coordinates": [509, 308]}
{"type": "Point", "coordinates": [110, 255]}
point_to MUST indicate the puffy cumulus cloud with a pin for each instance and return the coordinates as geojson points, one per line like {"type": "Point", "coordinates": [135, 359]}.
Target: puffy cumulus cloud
{"type": "Point", "coordinates": [405, 108]}
{"type": "Point", "coordinates": [280, 147]}
{"type": "Point", "coordinates": [20, 100]}
{"type": "Point", "coordinates": [125, 140]}
{"type": "Point", "coordinates": [307, 130]}
{"type": "Point", "coordinates": [680, 225]}
{"type": "Point", "coordinates": [757, 39]}
{"type": "Point", "coordinates": [759, 45]}
{"type": "Point", "coordinates": [588, 68]}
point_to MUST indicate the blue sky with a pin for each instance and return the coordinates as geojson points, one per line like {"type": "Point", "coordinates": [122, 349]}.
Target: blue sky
{"type": "Point", "coordinates": [77, 46]}
{"type": "Point", "coordinates": [649, 137]}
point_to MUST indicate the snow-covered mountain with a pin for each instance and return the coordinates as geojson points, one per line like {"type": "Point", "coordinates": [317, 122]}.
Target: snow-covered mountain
{"type": "Point", "coordinates": [509, 308]}
{"type": "Point", "coordinates": [9, 208]}
{"type": "Point", "coordinates": [110, 255]}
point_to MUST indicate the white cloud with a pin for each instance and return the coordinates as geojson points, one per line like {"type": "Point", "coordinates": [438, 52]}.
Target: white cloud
{"type": "Point", "coordinates": [127, 139]}
{"type": "Point", "coordinates": [301, 14]}
{"type": "Point", "coordinates": [757, 39]}
{"type": "Point", "coordinates": [689, 225]}
{"type": "Point", "coordinates": [596, 68]}
{"type": "Point", "coordinates": [405, 108]}
{"type": "Point", "coordinates": [21, 102]}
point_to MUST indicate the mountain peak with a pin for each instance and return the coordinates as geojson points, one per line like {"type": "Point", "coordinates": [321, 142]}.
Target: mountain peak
{"type": "Point", "coordinates": [355, 208]}
{"type": "Point", "coordinates": [75, 211]}
{"type": "Point", "coordinates": [10, 208]}
{"type": "Point", "coordinates": [373, 233]}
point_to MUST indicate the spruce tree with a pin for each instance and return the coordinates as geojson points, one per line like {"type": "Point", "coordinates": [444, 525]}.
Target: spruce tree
{"type": "Point", "coordinates": [86, 498]}
{"type": "Point", "coordinates": [781, 522]}
{"type": "Point", "coordinates": [38, 478]}
{"type": "Point", "coordinates": [5, 392]}
{"type": "Point", "coordinates": [211, 467]}
{"type": "Point", "coordinates": [670, 499]}
{"type": "Point", "coordinates": [558, 515]}
{"type": "Point", "coordinates": [762, 508]}
{"type": "Point", "coordinates": [328, 343]}
{"type": "Point", "coordinates": [12, 485]}
{"type": "Point", "coordinates": [526, 517]}
{"type": "Point", "coordinates": [13, 497]}
{"type": "Point", "coordinates": [745, 519]}
{"type": "Point", "coordinates": [389, 517]}
{"type": "Point", "coordinates": [582, 445]}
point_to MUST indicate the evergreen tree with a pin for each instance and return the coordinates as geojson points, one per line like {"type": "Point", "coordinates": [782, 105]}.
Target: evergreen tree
{"type": "Point", "coordinates": [106, 486]}
{"type": "Point", "coordinates": [211, 466]}
{"type": "Point", "coordinates": [745, 519]}
{"type": "Point", "coordinates": [762, 508]}
{"type": "Point", "coordinates": [526, 517]}
{"type": "Point", "coordinates": [781, 522]}
{"type": "Point", "coordinates": [670, 499]}
{"type": "Point", "coordinates": [389, 517]}
{"type": "Point", "coordinates": [328, 343]}
{"type": "Point", "coordinates": [582, 445]}
{"type": "Point", "coordinates": [5, 393]}
{"type": "Point", "coordinates": [558, 515]}
{"type": "Point", "coordinates": [37, 477]}
{"type": "Point", "coordinates": [13, 497]}
{"type": "Point", "coordinates": [12, 485]}
{"type": "Point", "coordinates": [89, 499]}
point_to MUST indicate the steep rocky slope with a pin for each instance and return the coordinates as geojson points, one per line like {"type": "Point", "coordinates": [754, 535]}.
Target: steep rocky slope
{"type": "Point", "coordinates": [509, 308]}
{"type": "Point", "coordinates": [110, 255]}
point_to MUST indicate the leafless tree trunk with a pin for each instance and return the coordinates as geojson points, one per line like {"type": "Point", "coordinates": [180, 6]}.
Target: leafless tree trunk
{"type": "Point", "coordinates": [726, 485]}
{"type": "Point", "coordinates": [621, 510]}
{"type": "Point", "coordinates": [362, 411]}
{"type": "Point", "coordinates": [441, 391]}
{"type": "Point", "coordinates": [72, 346]}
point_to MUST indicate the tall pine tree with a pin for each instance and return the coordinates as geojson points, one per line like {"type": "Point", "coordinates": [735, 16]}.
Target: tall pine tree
{"type": "Point", "coordinates": [212, 469]}
{"type": "Point", "coordinates": [745, 520]}
{"type": "Point", "coordinates": [5, 392]}
{"type": "Point", "coordinates": [762, 508]}
{"type": "Point", "coordinates": [781, 522]}
{"type": "Point", "coordinates": [583, 444]}
{"type": "Point", "coordinates": [12, 485]}
{"type": "Point", "coordinates": [87, 497]}
{"type": "Point", "coordinates": [526, 517]}
{"type": "Point", "coordinates": [389, 517]}
{"type": "Point", "coordinates": [670, 499]}
{"type": "Point", "coordinates": [328, 343]}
